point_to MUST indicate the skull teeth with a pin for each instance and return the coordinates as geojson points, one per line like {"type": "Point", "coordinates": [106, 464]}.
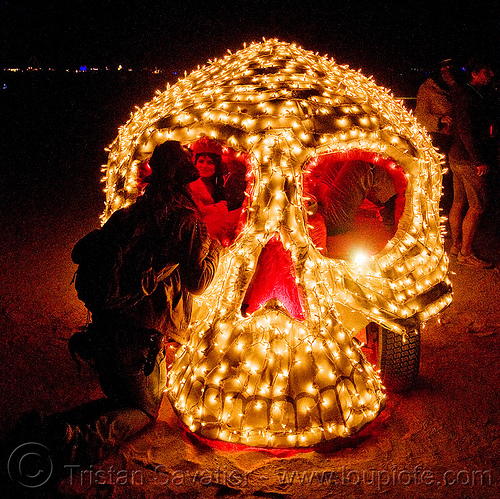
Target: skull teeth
{"type": "Point", "coordinates": [269, 380]}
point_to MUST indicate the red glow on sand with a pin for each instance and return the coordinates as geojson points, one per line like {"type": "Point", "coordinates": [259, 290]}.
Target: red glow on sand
{"type": "Point", "coordinates": [221, 446]}
{"type": "Point", "coordinates": [275, 278]}
{"type": "Point", "coordinates": [370, 431]}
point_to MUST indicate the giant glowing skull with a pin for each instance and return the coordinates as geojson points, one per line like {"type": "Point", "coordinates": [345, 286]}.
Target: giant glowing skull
{"type": "Point", "coordinates": [272, 377]}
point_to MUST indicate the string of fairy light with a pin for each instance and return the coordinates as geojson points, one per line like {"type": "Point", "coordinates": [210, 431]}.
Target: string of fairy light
{"type": "Point", "coordinates": [268, 379]}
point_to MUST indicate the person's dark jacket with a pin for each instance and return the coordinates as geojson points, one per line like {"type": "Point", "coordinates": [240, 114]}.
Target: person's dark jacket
{"type": "Point", "coordinates": [182, 250]}
{"type": "Point", "coordinates": [474, 120]}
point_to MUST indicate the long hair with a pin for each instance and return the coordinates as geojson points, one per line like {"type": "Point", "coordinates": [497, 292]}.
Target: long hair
{"type": "Point", "coordinates": [217, 178]}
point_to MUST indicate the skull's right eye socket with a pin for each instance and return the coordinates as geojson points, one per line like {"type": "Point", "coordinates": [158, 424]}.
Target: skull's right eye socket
{"type": "Point", "coordinates": [354, 201]}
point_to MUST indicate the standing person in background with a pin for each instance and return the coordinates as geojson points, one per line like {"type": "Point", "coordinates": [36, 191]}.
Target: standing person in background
{"type": "Point", "coordinates": [473, 154]}
{"type": "Point", "coordinates": [434, 107]}
{"type": "Point", "coordinates": [434, 112]}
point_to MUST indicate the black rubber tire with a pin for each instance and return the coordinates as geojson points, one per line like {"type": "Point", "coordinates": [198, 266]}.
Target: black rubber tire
{"type": "Point", "coordinates": [397, 360]}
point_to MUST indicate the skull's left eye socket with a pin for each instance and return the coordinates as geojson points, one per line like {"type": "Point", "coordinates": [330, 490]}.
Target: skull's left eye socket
{"type": "Point", "coordinates": [354, 203]}
{"type": "Point", "coordinates": [222, 191]}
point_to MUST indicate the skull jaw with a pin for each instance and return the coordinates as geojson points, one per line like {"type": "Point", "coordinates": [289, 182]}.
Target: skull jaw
{"type": "Point", "coordinates": [269, 380]}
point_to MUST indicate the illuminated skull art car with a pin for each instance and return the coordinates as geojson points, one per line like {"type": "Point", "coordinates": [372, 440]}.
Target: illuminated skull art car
{"type": "Point", "coordinates": [281, 366]}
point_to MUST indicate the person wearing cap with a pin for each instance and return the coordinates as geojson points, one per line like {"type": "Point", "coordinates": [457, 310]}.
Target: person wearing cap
{"type": "Point", "coordinates": [434, 111]}
{"type": "Point", "coordinates": [125, 344]}
{"type": "Point", "coordinates": [208, 190]}
{"type": "Point", "coordinates": [434, 107]}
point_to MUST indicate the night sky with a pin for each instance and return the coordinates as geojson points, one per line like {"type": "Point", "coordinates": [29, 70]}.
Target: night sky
{"type": "Point", "coordinates": [179, 35]}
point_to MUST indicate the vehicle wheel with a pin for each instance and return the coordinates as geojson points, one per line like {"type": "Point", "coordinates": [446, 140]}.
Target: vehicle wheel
{"type": "Point", "coordinates": [397, 360]}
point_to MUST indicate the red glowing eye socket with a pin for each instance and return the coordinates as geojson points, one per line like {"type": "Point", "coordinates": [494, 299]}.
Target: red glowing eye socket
{"type": "Point", "coordinates": [355, 201]}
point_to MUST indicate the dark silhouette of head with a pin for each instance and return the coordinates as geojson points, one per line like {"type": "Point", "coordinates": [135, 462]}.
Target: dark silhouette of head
{"type": "Point", "coordinates": [480, 69]}
{"type": "Point", "coordinates": [171, 166]}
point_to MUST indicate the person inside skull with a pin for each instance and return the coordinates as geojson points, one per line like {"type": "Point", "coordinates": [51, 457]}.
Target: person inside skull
{"type": "Point", "coordinates": [220, 191]}
{"type": "Point", "coordinates": [340, 187]}
{"type": "Point", "coordinates": [125, 342]}
{"type": "Point", "coordinates": [208, 190]}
